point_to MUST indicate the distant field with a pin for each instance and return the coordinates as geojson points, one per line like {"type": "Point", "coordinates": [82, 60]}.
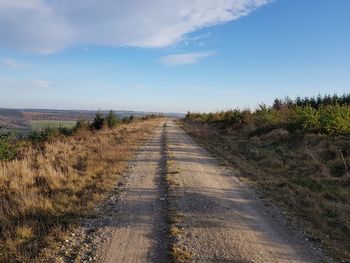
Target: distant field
{"type": "Point", "coordinates": [42, 124]}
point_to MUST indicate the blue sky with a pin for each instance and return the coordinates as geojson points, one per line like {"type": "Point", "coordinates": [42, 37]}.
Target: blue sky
{"type": "Point", "coordinates": [171, 56]}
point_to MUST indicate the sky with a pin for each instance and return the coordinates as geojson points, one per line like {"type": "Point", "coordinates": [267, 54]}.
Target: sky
{"type": "Point", "coordinates": [170, 55]}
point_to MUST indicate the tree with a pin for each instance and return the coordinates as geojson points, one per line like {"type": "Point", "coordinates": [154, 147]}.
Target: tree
{"type": "Point", "coordinates": [277, 104]}
{"type": "Point", "coordinates": [7, 151]}
{"type": "Point", "coordinates": [98, 122]}
{"type": "Point", "coordinates": [111, 119]}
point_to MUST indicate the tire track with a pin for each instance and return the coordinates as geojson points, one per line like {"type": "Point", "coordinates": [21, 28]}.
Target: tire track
{"type": "Point", "coordinates": [139, 231]}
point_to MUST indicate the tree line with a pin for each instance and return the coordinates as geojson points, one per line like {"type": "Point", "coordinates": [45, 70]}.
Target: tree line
{"type": "Point", "coordinates": [322, 114]}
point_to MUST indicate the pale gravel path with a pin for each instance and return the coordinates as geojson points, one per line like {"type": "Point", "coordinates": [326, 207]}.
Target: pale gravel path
{"type": "Point", "coordinates": [138, 233]}
{"type": "Point", "coordinates": [222, 221]}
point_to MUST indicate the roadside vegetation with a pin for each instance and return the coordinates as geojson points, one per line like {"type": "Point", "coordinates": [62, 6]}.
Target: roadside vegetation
{"type": "Point", "coordinates": [55, 176]}
{"type": "Point", "coordinates": [297, 154]}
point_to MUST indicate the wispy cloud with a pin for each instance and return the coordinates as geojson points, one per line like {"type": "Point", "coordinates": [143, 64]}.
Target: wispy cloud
{"type": "Point", "coordinates": [13, 63]}
{"type": "Point", "coordinates": [137, 86]}
{"type": "Point", "coordinates": [49, 26]}
{"type": "Point", "coordinates": [24, 84]}
{"type": "Point", "coordinates": [182, 59]}
{"type": "Point", "coordinates": [40, 83]}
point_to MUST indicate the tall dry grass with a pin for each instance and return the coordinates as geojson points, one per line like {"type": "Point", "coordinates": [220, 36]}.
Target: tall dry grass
{"type": "Point", "coordinates": [51, 185]}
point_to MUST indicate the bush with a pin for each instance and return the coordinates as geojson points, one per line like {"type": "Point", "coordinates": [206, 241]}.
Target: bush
{"type": "Point", "coordinates": [266, 117]}
{"type": "Point", "coordinates": [305, 118]}
{"type": "Point", "coordinates": [7, 150]}
{"type": "Point", "coordinates": [111, 119]}
{"type": "Point", "coordinates": [335, 119]}
{"type": "Point", "coordinates": [44, 135]}
{"type": "Point", "coordinates": [82, 125]}
{"type": "Point", "coordinates": [98, 122]}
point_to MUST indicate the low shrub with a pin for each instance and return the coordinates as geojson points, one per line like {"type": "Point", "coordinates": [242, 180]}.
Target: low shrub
{"type": "Point", "coordinates": [99, 121]}
{"type": "Point", "coordinates": [7, 149]}
{"type": "Point", "coordinates": [111, 120]}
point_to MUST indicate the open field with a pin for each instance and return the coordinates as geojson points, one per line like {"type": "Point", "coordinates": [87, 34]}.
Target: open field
{"type": "Point", "coordinates": [42, 124]}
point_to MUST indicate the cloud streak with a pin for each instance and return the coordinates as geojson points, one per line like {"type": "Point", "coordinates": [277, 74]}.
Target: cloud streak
{"type": "Point", "coordinates": [182, 59]}
{"type": "Point", "coordinates": [40, 83]}
{"type": "Point", "coordinates": [46, 26]}
{"type": "Point", "coordinates": [13, 63]}
{"type": "Point", "coordinates": [7, 84]}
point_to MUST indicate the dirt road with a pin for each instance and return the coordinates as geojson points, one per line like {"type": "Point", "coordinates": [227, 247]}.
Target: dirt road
{"type": "Point", "coordinates": [222, 221]}
{"type": "Point", "coordinates": [139, 232]}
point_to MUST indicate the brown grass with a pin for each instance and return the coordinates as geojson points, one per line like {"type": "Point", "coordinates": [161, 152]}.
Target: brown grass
{"type": "Point", "coordinates": [305, 174]}
{"type": "Point", "coordinates": [178, 253]}
{"type": "Point", "coordinates": [181, 254]}
{"type": "Point", "coordinates": [47, 188]}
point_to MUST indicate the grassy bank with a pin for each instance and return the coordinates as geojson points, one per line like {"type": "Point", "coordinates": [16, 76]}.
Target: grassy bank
{"type": "Point", "coordinates": [302, 170]}
{"type": "Point", "coordinates": [48, 186]}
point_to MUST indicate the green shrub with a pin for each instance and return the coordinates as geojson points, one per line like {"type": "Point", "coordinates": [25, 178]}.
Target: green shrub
{"type": "Point", "coordinates": [82, 125]}
{"type": "Point", "coordinates": [98, 122]}
{"type": "Point", "coordinates": [66, 131]}
{"type": "Point", "coordinates": [44, 135]}
{"type": "Point", "coordinates": [7, 149]}
{"type": "Point", "coordinates": [305, 118]}
{"type": "Point", "coordinates": [266, 117]}
{"type": "Point", "coordinates": [335, 119]}
{"type": "Point", "coordinates": [111, 119]}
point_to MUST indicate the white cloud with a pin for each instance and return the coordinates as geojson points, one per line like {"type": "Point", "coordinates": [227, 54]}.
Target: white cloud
{"type": "Point", "coordinates": [40, 83]}
{"type": "Point", "coordinates": [46, 26]}
{"type": "Point", "coordinates": [181, 59]}
{"type": "Point", "coordinates": [11, 84]}
{"type": "Point", "coordinates": [11, 62]}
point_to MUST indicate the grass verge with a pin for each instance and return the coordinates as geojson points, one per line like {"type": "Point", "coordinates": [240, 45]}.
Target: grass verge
{"type": "Point", "coordinates": [49, 186]}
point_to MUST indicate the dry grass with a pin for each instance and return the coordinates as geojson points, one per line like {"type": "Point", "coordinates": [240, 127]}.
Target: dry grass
{"type": "Point", "coordinates": [44, 191]}
{"type": "Point", "coordinates": [180, 254]}
{"type": "Point", "coordinates": [306, 174]}
{"type": "Point", "coordinates": [175, 231]}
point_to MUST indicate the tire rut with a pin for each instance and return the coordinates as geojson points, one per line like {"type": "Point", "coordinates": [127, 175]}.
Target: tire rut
{"type": "Point", "coordinates": [139, 231]}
